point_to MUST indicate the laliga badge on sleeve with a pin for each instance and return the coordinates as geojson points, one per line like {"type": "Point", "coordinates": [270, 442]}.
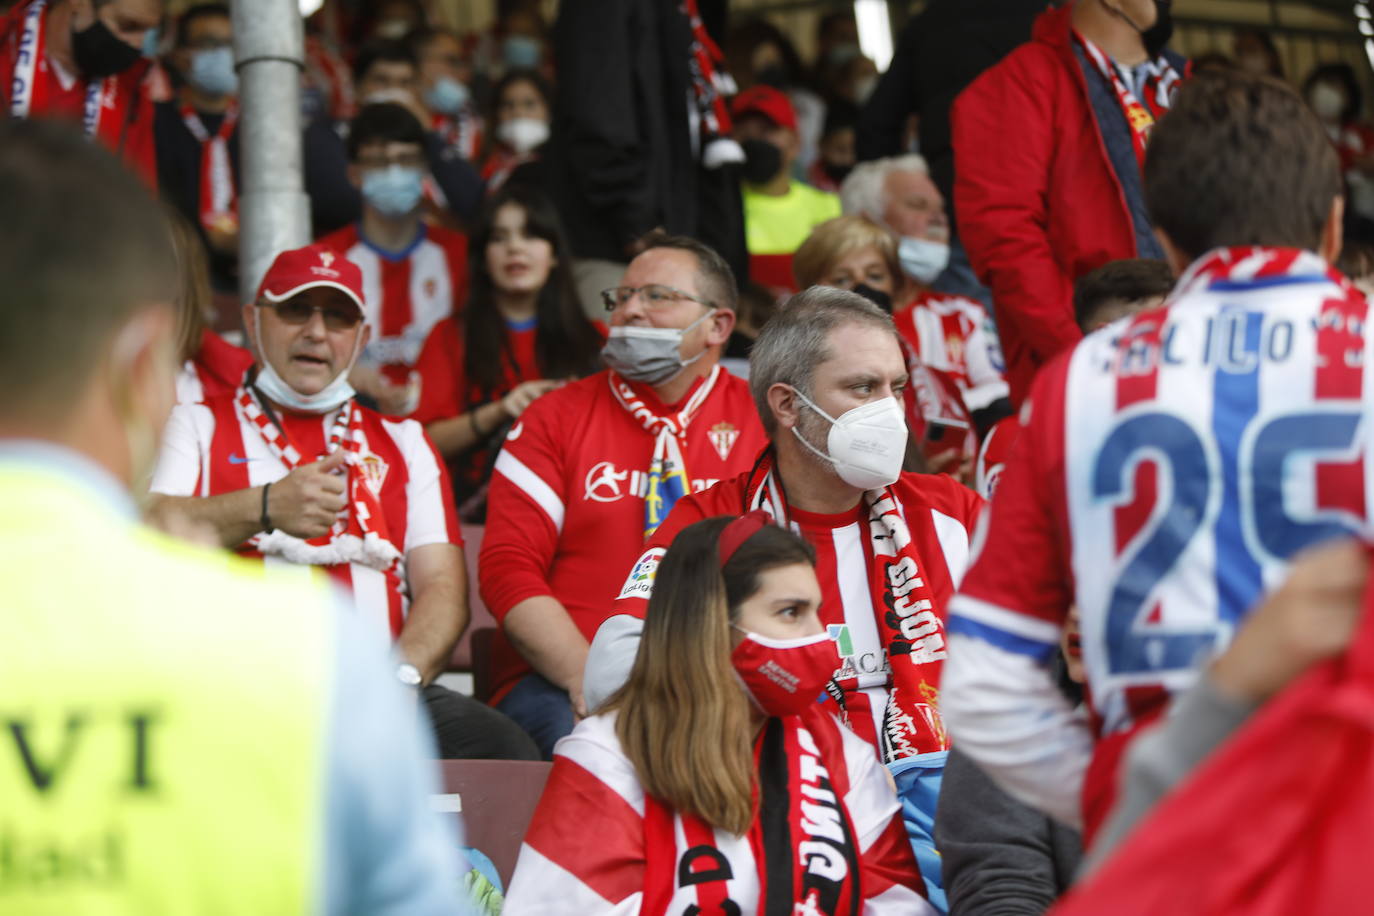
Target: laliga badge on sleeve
{"type": "Point", "coordinates": [641, 581]}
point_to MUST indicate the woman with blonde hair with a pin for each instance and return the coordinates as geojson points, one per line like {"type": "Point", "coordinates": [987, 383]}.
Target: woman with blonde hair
{"type": "Point", "coordinates": [852, 253]}
{"type": "Point", "coordinates": [210, 364]}
{"type": "Point", "coordinates": [714, 781]}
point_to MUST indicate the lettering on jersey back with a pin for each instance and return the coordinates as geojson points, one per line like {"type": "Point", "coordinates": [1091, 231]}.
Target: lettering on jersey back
{"type": "Point", "coordinates": [50, 752]}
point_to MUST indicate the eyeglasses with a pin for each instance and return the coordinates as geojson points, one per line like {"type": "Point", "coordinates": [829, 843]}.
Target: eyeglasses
{"type": "Point", "coordinates": [336, 317]}
{"type": "Point", "coordinates": [655, 296]}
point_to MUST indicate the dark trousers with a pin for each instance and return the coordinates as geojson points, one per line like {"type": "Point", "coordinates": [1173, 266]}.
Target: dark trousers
{"type": "Point", "coordinates": [465, 729]}
{"type": "Point", "coordinates": [541, 708]}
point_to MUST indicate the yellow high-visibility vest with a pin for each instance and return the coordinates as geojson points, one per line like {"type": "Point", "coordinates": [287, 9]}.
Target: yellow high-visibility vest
{"type": "Point", "coordinates": [778, 225]}
{"type": "Point", "coordinates": [162, 717]}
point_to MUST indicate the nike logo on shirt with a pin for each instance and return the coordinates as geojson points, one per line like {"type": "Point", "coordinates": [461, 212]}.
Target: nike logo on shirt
{"type": "Point", "coordinates": [235, 459]}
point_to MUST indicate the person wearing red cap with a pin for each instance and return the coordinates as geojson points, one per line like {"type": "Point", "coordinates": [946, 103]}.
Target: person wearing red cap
{"type": "Point", "coordinates": [290, 468]}
{"type": "Point", "coordinates": [714, 781]}
{"type": "Point", "coordinates": [779, 211]}
{"type": "Point", "coordinates": [82, 60]}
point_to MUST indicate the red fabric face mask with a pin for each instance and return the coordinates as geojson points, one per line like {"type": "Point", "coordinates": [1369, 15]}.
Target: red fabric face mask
{"type": "Point", "coordinates": [784, 676]}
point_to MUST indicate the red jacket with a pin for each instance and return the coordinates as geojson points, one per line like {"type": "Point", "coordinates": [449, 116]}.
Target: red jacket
{"type": "Point", "coordinates": [1037, 201]}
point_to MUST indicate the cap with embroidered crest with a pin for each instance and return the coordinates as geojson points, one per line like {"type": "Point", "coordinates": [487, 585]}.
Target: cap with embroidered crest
{"type": "Point", "coordinates": [300, 269]}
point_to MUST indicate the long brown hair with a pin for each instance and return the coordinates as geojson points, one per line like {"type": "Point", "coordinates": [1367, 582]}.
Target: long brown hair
{"type": "Point", "coordinates": [684, 720]}
{"type": "Point", "coordinates": [193, 268]}
{"type": "Point", "coordinates": [566, 343]}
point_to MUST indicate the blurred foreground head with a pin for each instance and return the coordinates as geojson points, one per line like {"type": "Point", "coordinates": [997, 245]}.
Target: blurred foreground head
{"type": "Point", "coordinates": [1241, 160]}
{"type": "Point", "coordinates": [88, 279]}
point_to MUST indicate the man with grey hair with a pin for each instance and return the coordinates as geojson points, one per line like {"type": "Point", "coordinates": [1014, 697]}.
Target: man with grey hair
{"type": "Point", "coordinates": [827, 376]}
{"type": "Point", "coordinates": [897, 194]}
{"type": "Point", "coordinates": [951, 335]}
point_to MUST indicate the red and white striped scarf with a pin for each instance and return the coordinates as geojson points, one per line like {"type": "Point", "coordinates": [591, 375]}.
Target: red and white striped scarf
{"type": "Point", "coordinates": [1245, 264]}
{"type": "Point", "coordinates": [107, 109]}
{"type": "Point", "coordinates": [909, 624]}
{"type": "Point", "coordinates": [802, 839]}
{"type": "Point", "coordinates": [1157, 93]}
{"type": "Point", "coordinates": [359, 534]}
{"type": "Point", "coordinates": [711, 85]}
{"type": "Point", "coordinates": [667, 471]}
{"type": "Point", "coordinates": [218, 197]}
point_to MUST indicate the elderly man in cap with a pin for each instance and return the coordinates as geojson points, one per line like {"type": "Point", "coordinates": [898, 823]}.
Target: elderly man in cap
{"type": "Point", "coordinates": [292, 469]}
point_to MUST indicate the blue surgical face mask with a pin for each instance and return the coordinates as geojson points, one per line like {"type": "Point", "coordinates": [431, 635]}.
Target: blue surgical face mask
{"type": "Point", "coordinates": [446, 96]}
{"type": "Point", "coordinates": [393, 191]}
{"type": "Point", "coordinates": [212, 72]}
{"type": "Point", "coordinates": [151, 39]}
{"type": "Point", "coordinates": [520, 52]}
{"type": "Point", "coordinates": [922, 260]}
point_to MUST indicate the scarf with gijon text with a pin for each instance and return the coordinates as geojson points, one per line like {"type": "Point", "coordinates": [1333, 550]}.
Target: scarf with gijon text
{"type": "Point", "coordinates": [910, 625]}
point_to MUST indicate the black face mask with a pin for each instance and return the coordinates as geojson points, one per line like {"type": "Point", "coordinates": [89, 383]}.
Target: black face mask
{"type": "Point", "coordinates": [99, 52]}
{"type": "Point", "coordinates": [1157, 36]}
{"type": "Point", "coordinates": [836, 172]}
{"type": "Point", "coordinates": [876, 296]}
{"type": "Point", "coordinates": [772, 75]}
{"type": "Point", "coordinates": [762, 161]}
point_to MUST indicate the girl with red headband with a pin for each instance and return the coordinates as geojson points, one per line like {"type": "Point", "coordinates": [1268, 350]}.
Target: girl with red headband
{"type": "Point", "coordinates": [714, 779]}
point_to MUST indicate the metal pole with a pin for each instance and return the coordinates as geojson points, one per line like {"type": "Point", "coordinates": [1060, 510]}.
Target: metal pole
{"type": "Point", "coordinates": [274, 213]}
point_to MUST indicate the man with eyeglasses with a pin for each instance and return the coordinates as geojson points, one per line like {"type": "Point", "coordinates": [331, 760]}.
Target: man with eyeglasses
{"type": "Point", "coordinates": [415, 274]}
{"type": "Point", "coordinates": [197, 136]}
{"type": "Point", "coordinates": [292, 469]}
{"type": "Point", "coordinates": [592, 469]}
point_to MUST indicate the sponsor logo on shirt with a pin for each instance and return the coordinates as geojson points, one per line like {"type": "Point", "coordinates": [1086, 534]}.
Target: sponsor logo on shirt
{"type": "Point", "coordinates": [604, 483]}
{"type": "Point", "coordinates": [640, 584]}
{"type": "Point", "coordinates": [855, 664]}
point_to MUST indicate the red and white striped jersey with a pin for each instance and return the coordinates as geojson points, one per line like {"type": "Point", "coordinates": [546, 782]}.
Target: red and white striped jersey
{"type": "Point", "coordinates": [1170, 466]}
{"type": "Point", "coordinates": [954, 336]}
{"type": "Point", "coordinates": [594, 792]}
{"type": "Point", "coordinates": [210, 449]}
{"type": "Point", "coordinates": [993, 454]}
{"type": "Point", "coordinates": [407, 292]}
{"type": "Point", "coordinates": [217, 368]}
{"type": "Point", "coordinates": [940, 514]}
{"type": "Point", "coordinates": [566, 508]}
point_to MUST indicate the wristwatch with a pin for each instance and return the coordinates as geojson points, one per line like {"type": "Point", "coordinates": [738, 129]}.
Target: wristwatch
{"type": "Point", "coordinates": [408, 674]}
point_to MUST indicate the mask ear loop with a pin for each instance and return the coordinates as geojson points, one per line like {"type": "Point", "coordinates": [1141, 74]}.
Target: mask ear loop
{"type": "Point", "coordinates": [140, 439]}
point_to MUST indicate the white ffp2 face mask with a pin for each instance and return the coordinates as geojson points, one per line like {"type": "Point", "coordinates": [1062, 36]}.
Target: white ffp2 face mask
{"type": "Point", "coordinates": [867, 444]}
{"type": "Point", "coordinates": [522, 134]}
